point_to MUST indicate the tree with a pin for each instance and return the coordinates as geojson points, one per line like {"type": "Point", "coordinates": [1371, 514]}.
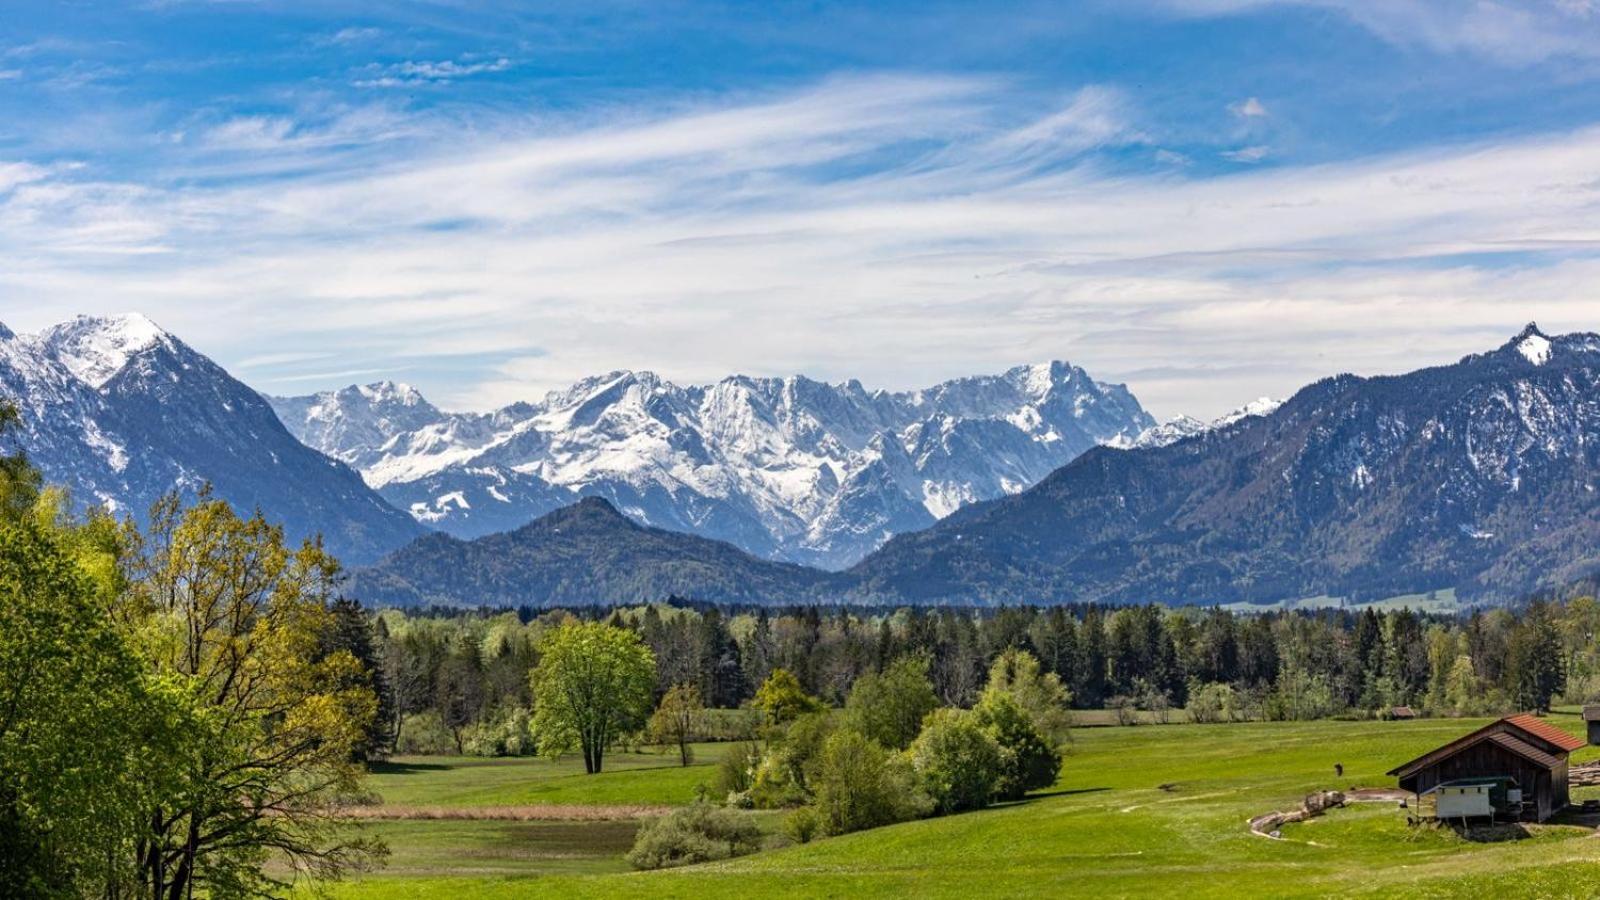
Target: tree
{"type": "Point", "coordinates": [458, 688]}
{"type": "Point", "coordinates": [351, 631]}
{"type": "Point", "coordinates": [1038, 693]}
{"type": "Point", "coordinates": [889, 707]}
{"type": "Point", "coordinates": [593, 684]}
{"type": "Point", "coordinates": [860, 785]}
{"type": "Point", "coordinates": [783, 699]}
{"type": "Point", "coordinates": [231, 622]}
{"type": "Point", "coordinates": [79, 742]}
{"type": "Point", "coordinates": [677, 719]}
{"type": "Point", "coordinates": [957, 761]}
{"type": "Point", "coordinates": [1029, 761]}
{"type": "Point", "coordinates": [19, 480]}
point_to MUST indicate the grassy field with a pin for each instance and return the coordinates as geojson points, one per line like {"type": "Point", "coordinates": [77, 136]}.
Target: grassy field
{"type": "Point", "coordinates": [1148, 810]}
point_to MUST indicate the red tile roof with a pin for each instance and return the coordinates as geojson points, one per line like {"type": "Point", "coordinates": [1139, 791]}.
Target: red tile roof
{"type": "Point", "coordinates": [1546, 732]}
{"type": "Point", "coordinates": [1525, 750]}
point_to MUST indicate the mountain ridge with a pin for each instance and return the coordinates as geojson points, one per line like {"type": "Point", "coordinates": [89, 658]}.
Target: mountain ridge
{"type": "Point", "coordinates": [791, 468]}
{"type": "Point", "coordinates": [120, 412]}
{"type": "Point", "coordinates": [1481, 475]}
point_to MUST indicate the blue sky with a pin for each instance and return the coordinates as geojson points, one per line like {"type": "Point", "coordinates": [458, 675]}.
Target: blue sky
{"type": "Point", "coordinates": [1207, 199]}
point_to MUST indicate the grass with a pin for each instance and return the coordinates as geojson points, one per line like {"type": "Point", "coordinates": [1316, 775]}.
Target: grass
{"type": "Point", "coordinates": [653, 779]}
{"type": "Point", "coordinates": [1149, 810]}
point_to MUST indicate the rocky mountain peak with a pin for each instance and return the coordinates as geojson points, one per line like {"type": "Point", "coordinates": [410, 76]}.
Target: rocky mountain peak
{"type": "Point", "coordinates": [96, 348]}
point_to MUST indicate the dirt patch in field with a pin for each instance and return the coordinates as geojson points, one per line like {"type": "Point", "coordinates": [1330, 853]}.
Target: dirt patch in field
{"type": "Point", "coordinates": [534, 813]}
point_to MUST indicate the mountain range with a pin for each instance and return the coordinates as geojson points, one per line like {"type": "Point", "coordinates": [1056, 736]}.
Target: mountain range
{"type": "Point", "coordinates": [1038, 484]}
{"type": "Point", "coordinates": [1480, 476]}
{"type": "Point", "coordinates": [120, 412]}
{"type": "Point", "coordinates": [789, 469]}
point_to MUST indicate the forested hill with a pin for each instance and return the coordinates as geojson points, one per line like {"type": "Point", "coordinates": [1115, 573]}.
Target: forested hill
{"type": "Point", "coordinates": [582, 554]}
{"type": "Point", "coordinates": [1480, 475]}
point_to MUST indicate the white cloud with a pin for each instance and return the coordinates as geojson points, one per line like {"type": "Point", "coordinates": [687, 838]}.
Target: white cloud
{"type": "Point", "coordinates": [440, 72]}
{"type": "Point", "coordinates": [894, 229]}
{"type": "Point", "coordinates": [1513, 32]}
{"type": "Point", "coordinates": [1252, 154]}
{"type": "Point", "coordinates": [1249, 108]}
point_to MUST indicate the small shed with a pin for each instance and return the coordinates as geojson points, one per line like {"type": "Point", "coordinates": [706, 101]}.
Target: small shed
{"type": "Point", "coordinates": [1401, 712]}
{"type": "Point", "coordinates": [1591, 718]}
{"type": "Point", "coordinates": [1525, 757]}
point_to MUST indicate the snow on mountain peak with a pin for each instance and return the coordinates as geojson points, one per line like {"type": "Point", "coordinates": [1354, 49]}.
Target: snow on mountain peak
{"type": "Point", "coordinates": [1261, 406]}
{"type": "Point", "coordinates": [1533, 345]}
{"type": "Point", "coordinates": [96, 348]}
{"type": "Point", "coordinates": [788, 467]}
{"type": "Point", "coordinates": [6, 334]}
{"type": "Point", "coordinates": [391, 392]}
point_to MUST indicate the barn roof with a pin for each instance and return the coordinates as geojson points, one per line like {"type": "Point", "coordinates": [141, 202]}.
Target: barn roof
{"type": "Point", "coordinates": [1511, 733]}
{"type": "Point", "coordinates": [1591, 713]}
{"type": "Point", "coordinates": [1549, 733]}
{"type": "Point", "coordinates": [1524, 749]}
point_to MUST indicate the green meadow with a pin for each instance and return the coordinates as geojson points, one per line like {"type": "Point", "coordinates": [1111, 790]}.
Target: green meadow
{"type": "Point", "coordinates": [1149, 810]}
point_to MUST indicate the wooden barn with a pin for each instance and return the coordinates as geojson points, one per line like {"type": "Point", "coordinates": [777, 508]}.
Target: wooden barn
{"type": "Point", "coordinates": [1524, 757]}
{"type": "Point", "coordinates": [1591, 718]}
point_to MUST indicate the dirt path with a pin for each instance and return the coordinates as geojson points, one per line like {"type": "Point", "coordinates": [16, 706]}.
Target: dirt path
{"type": "Point", "coordinates": [533, 813]}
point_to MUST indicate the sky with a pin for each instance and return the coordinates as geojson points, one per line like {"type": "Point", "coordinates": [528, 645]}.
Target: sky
{"type": "Point", "coordinates": [1209, 200]}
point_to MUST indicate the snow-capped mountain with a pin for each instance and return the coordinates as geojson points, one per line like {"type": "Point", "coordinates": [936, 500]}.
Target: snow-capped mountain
{"type": "Point", "coordinates": [790, 469]}
{"type": "Point", "coordinates": [121, 412]}
{"type": "Point", "coordinates": [1180, 427]}
{"type": "Point", "coordinates": [1483, 476]}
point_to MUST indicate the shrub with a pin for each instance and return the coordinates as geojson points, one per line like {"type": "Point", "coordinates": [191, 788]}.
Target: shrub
{"type": "Point", "coordinates": [1028, 762]}
{"type": "Point", "coordinates": [425, 734]}
{"type": "Point", "coordinates": [736, 770]}
{"type": "Point", "coordinates": [695, 833]}
{"type": "Point", "coordinates": [1213, 702]}
{"type": "Point", "coordinates": [1040, 694]}
{"type": "Point", "coordinates": [957, 762]}
{"type": "Point", "coordinates": [860, 785]}
{"type": "Point", "coordinates": [803, 824]}
{"type": "Point", "coordinates": [889, 706]}
{"type": "Point", "coordinates": [802, 746]}
{"type": "Point", "coordinates": [507, 733]}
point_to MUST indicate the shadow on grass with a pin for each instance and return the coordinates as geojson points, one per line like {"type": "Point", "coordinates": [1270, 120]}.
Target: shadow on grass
{"type": "Point", "coordinates": [1044, 795]}
{"type": "Point", "coordinates": [386, 767]}
{"type": "Point", "coordinates": [1491, 834]}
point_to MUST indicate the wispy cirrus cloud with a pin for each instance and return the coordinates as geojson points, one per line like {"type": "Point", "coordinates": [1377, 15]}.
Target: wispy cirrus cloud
{"type": "Point", "coordinates": [1515, 32]}
{"type": "Point", "coordinates": [414, 72]}
{"type": "Point", "coordinates": [898, 229]}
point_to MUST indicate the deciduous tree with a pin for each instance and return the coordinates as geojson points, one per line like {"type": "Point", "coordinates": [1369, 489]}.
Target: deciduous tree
{"type": "Point", "coordinates": [593, 684]}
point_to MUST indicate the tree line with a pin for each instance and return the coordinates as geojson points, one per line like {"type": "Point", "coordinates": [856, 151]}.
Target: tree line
{"type": "Point", "coordinates": [458, 678]}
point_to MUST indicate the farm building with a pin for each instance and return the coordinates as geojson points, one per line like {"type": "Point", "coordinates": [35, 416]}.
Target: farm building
{"type": "Point", "coordinates": [1591, 718]}
{"type": "Point", "coordinates": [1513, 768]}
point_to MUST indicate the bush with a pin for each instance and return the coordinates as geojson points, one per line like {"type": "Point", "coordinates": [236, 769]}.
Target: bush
{"type": "Point", "coordinates": [736, 771]}
{"type": "Point", "coordinates": [508, 733]}
{"type": "Point", "coordinates": [1028, 762]}
{"type": "Point", "coordinates": [860, 785]}
{"type": "Point", "coordinates": [695, 833]}
{"type": "Point", "coordinates": [957, 761]}
{"type": "Point", "coordinates": [802, 825]}
{"type": "Point", "coordinates": [425, 734]}
{"type": "Point", "coordinates": [1213, 702]}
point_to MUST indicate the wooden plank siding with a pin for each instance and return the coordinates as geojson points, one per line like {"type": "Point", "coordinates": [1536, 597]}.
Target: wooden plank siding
{"type": "Point", "coordinates": [1546, 787]}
